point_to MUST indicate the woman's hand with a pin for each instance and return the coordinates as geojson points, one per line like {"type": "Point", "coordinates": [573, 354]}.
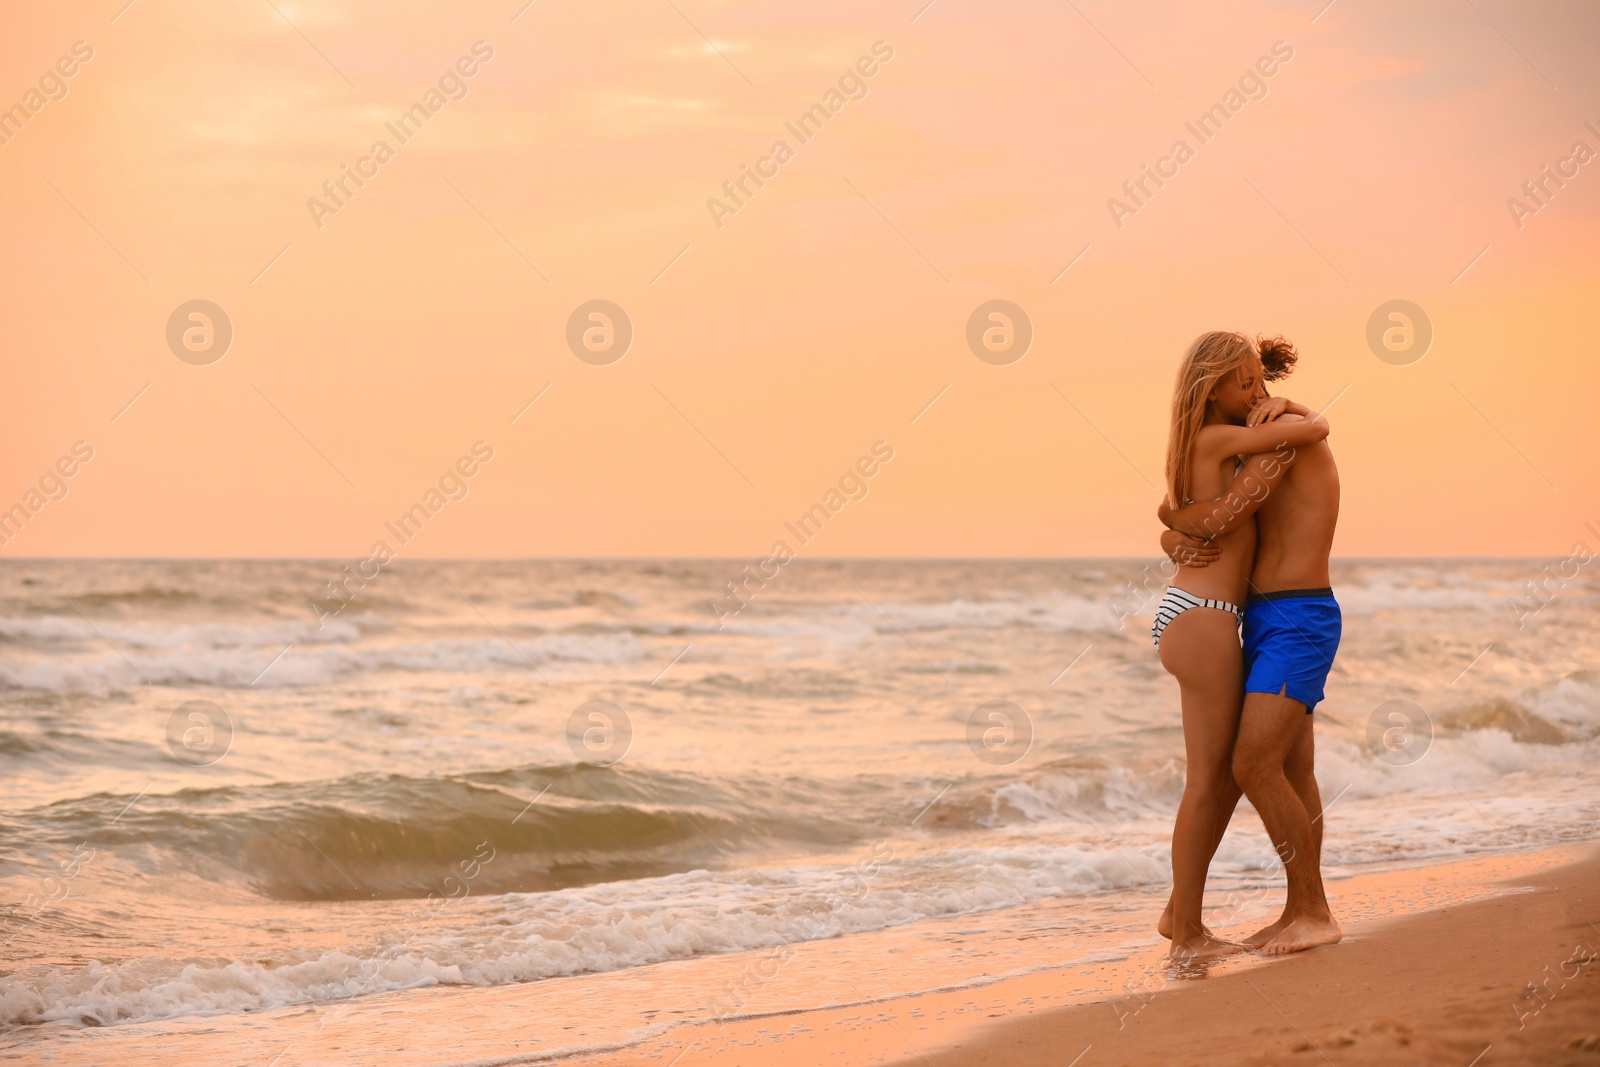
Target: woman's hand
{"type": "Point", "coordinates": [1267, 411]}
{"type": "Point", "coordinates": [1188, 551]}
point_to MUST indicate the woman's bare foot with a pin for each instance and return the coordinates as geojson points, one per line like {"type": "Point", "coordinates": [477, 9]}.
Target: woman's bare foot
{"type": "Point", "coordinates": [1203, 948]}
{"type": "Point", "coordinates": [1302, 934]}
{"type": "Point", "coordinates": [1164, 924]}
{"type": "Point", "coordinates": [1267, 933]}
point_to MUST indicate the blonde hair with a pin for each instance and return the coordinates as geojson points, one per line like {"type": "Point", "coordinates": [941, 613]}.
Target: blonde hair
{"type": "Point", "coordinates": [1209, 359]}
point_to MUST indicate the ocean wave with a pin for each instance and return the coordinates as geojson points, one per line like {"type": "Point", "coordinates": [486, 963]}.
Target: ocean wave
{"type": "Point", "coordinates": [388, 836]}
{"type": "Point", "coordinates": [13, 743]}
{"type": "Point", "coordinates": [373, 836]}
{"type": "Point", "coordinates": [144, 594]}
{"type": "Point", "coordinates": [1548, 729]}
{"type": "Point", "coordinates": [243, 667]}
{"type": "Point", "coordinates": [958, 666]}
{"type": "Point", "coordinates": [1058, 613]}
{"type": "Point", "coordinates": [527, 937]}
{"type": "Point", "coordinates": [1571, 702]}
{"type": "Point", "coordinates": [1083, 790]}
{"type": "Point", "coordinates": [1476, 789]}
{"type": "Point", "coordinates": [1061, 613]}
{"type": "Point", "coordinates": [1428, 593]}
{"type": "Point", "coordinates": [328, 853]}
{"type": "Point", "coordinates": [56, 629]}
{"type": "Point", "coordinates": [1560, 712]}
{"type": "Point", "coordinates": [1471, 759]}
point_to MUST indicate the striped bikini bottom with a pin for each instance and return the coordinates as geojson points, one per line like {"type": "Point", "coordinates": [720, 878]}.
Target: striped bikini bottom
{"type": "Point", "coordinates": [1178, 601]}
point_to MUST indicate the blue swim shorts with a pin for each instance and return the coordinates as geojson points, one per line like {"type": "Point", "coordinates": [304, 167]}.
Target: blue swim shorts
{"type": "Point", "coordinates": [1290, 638]}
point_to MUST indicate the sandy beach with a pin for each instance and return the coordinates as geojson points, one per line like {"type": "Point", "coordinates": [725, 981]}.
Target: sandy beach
{"type": "Point", "coordinates": [1444, 987]}
{"type": "Point", "coordinates": [1449, 985]}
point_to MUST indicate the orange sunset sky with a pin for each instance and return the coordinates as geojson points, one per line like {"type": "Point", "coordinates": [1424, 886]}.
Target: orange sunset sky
{"type": "Point", "coordinates": [775, 343]}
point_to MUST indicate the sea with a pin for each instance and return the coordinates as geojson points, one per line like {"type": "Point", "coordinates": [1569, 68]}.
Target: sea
{"type": "Point", "coordinates": [230, 798]}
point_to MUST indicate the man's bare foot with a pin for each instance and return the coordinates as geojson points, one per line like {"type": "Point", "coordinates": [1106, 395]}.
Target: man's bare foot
{"type": "Point", "coordinates": [1302, 934]}
{"type": "Point", "coordinates": [1267, 933]}
{"type": "Point", "coordinates": [1203, 948]}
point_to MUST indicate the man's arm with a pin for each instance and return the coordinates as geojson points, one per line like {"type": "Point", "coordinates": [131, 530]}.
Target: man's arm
{"type": "Point", "coordinates": [1210, 519]}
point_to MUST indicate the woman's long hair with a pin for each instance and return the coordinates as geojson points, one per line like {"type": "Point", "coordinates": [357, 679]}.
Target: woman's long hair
{"type": "Point", "coordinates": [1209, 359]}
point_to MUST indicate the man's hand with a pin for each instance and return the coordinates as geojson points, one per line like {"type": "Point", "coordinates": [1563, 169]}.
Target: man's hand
{"type": "Point", "coordinates": [1267, 411]}
{"type": "Point", "coordinates": [1188, 551]}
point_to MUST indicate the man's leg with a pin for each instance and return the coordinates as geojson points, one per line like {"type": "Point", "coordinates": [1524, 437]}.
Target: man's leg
{"type": "Point", "coordinates": [1269, 729]}
{"type": "Point", "coordinates": [1300, 769]}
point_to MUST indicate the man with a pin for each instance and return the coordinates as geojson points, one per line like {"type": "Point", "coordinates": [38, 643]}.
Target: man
{"type": "Point", "coordinates": [1292, 626]}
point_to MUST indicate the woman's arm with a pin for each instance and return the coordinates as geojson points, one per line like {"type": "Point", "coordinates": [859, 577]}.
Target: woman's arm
{"type": "Point", "coordinates": [1210, 519]}
{"type": "Point", "coordinates": [1273, 407]}
{"type": "Point", "coordinates": [1290, 429]}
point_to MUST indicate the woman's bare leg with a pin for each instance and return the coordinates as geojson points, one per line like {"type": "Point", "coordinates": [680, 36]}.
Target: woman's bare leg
{"type": "Point", "coordinates": [1164, 924]}
{"type": "Point", "coordinates": [1200, 649]}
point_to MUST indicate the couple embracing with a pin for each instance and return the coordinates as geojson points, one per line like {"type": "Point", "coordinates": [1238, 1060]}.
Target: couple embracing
{"type": "Point", "coordinates": [1249, 626]}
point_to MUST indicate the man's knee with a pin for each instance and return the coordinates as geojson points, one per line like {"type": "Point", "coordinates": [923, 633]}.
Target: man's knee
{"type": "Point", "coordinates": [1247, 767]}
{"type": "Point", "coordinates": [1251, 766]}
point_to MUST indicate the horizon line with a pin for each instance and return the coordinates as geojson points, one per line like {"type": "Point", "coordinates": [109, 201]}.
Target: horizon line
{"type": "Point", "coordinates": [711, 559]}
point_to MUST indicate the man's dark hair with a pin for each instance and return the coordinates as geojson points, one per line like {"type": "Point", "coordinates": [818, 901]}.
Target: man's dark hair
{"type": "Point", "coordinates": [1278, 357]}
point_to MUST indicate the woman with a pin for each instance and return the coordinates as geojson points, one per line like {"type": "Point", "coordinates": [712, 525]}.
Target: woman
{"type": "Point", "coordinates": [1220, 414]}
